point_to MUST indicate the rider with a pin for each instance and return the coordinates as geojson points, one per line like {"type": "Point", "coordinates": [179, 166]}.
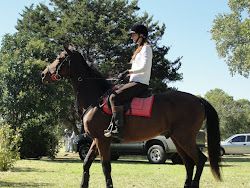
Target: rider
{"type": "Point", "coordinates": [139, 79]}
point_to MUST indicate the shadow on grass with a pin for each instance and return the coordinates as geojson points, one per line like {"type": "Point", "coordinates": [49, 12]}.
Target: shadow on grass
{"type": "Point", "coordinates": [63, 160]}
{"type": "Point", "coordinates": [97, 160]}
{"type": "Point", "coordinates": [235, 158]}
{"type": "Point", "coordinates": [122, 160]}
{"type": "Point", "coordinates": [24, 184]}
{"type": "Point", "coordinates": [25, 169]}
{"type": "Point", "coordinates": [143, 160]}
{"type": "Point", "coordinates": [227, 161]}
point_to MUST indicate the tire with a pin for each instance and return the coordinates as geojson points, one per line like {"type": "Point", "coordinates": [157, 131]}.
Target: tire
{"type": "Point", "coordinates": [114, 157]}
{"type": "Point", "coordinates": [222, 151]}
{"type": "Point", "coordinates": [176, 159]}
{"type": "Point", "coordinates": [83, 150]}
{"type": "Point", "coordinates": [156, 154]}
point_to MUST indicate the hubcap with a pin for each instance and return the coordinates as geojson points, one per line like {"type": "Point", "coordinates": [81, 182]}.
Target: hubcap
{"type": "Point", "coordinates": [155, 155]}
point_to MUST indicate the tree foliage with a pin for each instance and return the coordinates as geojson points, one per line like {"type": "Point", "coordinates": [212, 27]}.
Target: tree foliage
{"type": "Point", "coordinates": [24, 100]}
{"type": "Point", "coordinates": [232, 36]}
{"type": "Point", "coordinates": [234, 115]}
{"type": "Point", "coordinates": [99, 29]}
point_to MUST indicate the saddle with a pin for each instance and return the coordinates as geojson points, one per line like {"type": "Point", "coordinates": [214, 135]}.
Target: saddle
{"type": "Point", "coordinates": [137, 106]}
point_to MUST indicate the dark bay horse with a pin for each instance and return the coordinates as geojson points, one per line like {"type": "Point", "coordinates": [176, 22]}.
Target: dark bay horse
{"type": "Point", "coordinates": [176, 114]}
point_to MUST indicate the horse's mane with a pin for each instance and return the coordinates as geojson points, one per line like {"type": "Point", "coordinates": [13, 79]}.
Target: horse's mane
{"type": "Point", "coordinates": [93, 73]}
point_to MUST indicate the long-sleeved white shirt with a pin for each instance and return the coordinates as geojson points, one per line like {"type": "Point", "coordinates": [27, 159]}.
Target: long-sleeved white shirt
{"type": "Point", "coordinates": [141, 66]}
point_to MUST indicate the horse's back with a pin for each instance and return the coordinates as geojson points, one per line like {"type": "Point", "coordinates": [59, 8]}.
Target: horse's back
{"type": "Point", "coordinates": [180, 109]}
{"type": "Point", "coordinates": [175, 95]}
{"type": "Point", "coordinates": [176, 100]}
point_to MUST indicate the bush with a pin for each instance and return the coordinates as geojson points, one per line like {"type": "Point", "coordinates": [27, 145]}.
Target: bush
{"type": "Point", "coordinates": [9, 150]}
{"type": "Point", "coordinates": [38, 140]}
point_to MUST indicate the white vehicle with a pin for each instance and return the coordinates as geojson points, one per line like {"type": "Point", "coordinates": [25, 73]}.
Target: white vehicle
{"type": "Point", "coordinates": [236, 144]}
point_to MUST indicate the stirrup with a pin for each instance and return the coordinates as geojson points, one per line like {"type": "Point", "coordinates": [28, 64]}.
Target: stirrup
{"type": "Point", "coordinates": [113, 133]}
{"type": "Point", "coordinates": [108, 131]}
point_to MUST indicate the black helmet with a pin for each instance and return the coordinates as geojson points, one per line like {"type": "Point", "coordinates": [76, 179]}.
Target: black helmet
{"type": "Point", "coordinates": [140, 29]}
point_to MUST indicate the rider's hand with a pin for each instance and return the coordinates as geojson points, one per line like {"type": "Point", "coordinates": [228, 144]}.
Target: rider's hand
{"type": "Point", "coordinates": [123, 74]}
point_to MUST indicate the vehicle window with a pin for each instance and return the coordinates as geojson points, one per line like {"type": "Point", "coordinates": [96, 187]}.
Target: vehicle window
{"type": "Point", "coordinates": [248, 138]}
{"type": "Point", "coordinates": [239, 139]}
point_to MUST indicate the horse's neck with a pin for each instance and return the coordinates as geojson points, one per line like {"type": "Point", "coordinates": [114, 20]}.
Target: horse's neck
{"type": "Point", "coordinates": [86, 93]}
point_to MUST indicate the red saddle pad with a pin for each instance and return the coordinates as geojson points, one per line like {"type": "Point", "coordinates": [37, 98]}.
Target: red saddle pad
{"type": "Point", "coordinates": [139, 106]}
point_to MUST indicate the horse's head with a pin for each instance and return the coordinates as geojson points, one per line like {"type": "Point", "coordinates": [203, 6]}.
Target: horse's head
{"type": "Point", "coordinates": [70, 64]}
{"type": "Point", "coordinates": [60, 68]}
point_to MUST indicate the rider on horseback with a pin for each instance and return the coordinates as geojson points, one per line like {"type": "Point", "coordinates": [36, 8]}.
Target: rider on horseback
{"type": "Point", "coordinates": [138, 83]}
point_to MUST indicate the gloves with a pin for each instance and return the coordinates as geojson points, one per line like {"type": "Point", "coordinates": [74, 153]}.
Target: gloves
{"type": "Point", "coordinates": [123, 74]}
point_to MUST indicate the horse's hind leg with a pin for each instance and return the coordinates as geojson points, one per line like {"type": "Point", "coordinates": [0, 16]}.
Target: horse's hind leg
{"type": "Point", "coordinates": [92, 153]}
{"type": "Point", "coordinates": [189, 147]}
{"type": "Point", "coordinates": [188, 162]}
{"type": "Point", "coordinates": [199, 169]}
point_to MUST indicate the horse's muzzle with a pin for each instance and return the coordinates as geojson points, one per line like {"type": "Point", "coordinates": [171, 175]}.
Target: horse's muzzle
{"type": "Point", "coordinates": [45, 77]}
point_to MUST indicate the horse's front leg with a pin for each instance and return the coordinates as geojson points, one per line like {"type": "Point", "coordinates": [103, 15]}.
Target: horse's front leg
{"type": "Point", "coordinates": [92, 153]}
{"type": "Point", "coordinates": [106, 166]}
{"type": "Point", "coordinates": [104, 151]}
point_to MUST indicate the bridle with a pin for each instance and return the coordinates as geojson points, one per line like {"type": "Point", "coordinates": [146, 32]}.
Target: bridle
{"type": "Point", "coordinates": [55, 76]}
{"type": "Point", "coordinates": [80, 78]}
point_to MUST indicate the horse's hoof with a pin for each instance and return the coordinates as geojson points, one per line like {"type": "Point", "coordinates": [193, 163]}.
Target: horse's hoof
{"type": "Point", "coordinates": [195, 184]}
{"type": "Point", "coordinates": [84, 186]}
{"type": "Point", "coordinates": [187, 186]}
{"type": "Point", "coordinates": [109, 183]}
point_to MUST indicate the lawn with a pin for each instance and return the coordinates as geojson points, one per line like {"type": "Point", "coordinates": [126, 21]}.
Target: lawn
{"type": "Point", "coordinates": [127, 172]}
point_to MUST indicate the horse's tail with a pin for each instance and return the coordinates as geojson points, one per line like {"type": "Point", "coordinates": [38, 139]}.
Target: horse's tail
{"type": "Point", "coordinates": [213, 138]}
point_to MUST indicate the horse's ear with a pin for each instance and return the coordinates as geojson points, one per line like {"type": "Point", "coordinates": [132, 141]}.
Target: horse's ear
{"type": "Point", "coordinates": [67, 49]}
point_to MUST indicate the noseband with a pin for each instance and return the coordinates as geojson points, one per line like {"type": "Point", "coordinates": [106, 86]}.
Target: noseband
{"type": "Point", "coordinates": [55, 76]}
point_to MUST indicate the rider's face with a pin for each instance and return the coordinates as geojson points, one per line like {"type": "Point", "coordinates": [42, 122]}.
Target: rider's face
{"type": "Point", "coordinates": [134, 36]}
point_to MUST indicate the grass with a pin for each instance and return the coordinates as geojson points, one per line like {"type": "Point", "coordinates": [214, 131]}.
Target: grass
{"type": "Point", "coordinates": [127, 172]}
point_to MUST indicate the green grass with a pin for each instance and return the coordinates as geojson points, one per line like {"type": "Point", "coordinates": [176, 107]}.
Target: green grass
{"type": "Point", "coordinates": [127, 172]}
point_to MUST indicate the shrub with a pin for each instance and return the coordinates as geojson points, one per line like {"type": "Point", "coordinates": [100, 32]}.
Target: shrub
{"type": "Point", "coordinates": [9, 150]}
{"type": "Point", "coordinates": [39, 139]}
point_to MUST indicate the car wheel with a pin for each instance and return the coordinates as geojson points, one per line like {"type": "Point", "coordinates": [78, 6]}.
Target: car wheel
{"type": "Point", "coordinates": [176, 159]}
{"type": "Point", "coordinates": [114, 157]}
{"type": "Point", "coordinates": [222, 151]}
{"type": "Point", "coordinates": [83, 150]}
{"type": "Point", "coordinates": [156, 154]}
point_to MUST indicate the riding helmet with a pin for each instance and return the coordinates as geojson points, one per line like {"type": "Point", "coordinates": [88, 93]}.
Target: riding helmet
{"type": "Point", "coordinates": [139, 28]}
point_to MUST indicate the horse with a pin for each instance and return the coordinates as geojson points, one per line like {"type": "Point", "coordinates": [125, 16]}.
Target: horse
{"type": "Point", "coordinates": [175, 114]}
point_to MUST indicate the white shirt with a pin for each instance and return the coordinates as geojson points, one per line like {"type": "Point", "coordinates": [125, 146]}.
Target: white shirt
{"type": "Point", "coordinates": [141, 66]}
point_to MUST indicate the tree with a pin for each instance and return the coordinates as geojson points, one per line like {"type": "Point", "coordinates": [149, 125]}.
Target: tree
{"type": "Point", "coordinates": [99, 29]}
{"type": "Point", "coordinates": [234, 115]}
{"type": "Point", "coordinates": [25, 103]}
{"type": "Point", "coordinates": [231, 34]}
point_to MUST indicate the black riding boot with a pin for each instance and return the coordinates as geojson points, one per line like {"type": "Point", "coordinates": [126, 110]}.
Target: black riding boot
{"type": "Point", "coordinates": [117, 123]}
